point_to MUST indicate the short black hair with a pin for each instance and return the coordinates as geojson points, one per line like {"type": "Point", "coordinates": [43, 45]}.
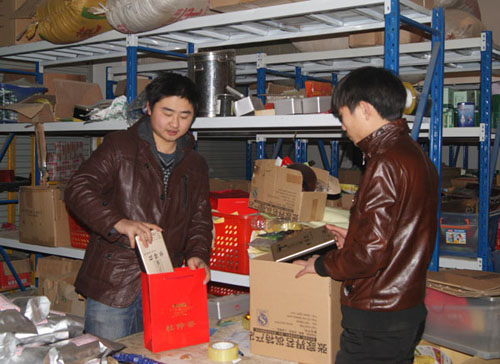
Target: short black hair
{"type": "Point", "coordinates": [172, 84]}
{"type": "Point", "coordinates": [378, 86]}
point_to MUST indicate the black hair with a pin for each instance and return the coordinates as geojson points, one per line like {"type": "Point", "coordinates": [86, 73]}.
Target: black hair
{"type": "Point", "coordinates": [172, 84]}
{"type": "Point", "coordinates": [377, 86]}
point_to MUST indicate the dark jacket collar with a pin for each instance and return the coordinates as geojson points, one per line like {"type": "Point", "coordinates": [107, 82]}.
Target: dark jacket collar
{"type": "Point", "coordinates": [381, 139]}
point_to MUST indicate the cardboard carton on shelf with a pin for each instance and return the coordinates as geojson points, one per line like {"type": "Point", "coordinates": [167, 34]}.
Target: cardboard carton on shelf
{"type": "Point", "coordinates": [22, 265]}
{"type": "Point", "coordinates": [58, 106]}
{"type": "Point", "coordinates": [293, 319]}
{"type": "Point", "coordinates": [121, 86]}
{"type": "Point", "coordinates": [278, 191]}
{"type": "Point", "coordinates": [43, 219]}
{"type": "Point", "coordinates": [56, 278]}
{"type": "Point", "coordinates": [374, 38]}
{"type": "Point", "coordinates": [48, 79]}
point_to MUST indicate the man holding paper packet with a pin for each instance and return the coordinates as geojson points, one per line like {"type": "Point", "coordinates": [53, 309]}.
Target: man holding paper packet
{"type": "Point", "coordinates": [145, 178]}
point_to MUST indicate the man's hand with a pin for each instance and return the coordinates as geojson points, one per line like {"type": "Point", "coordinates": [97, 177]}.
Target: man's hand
{"type": "Point", "coordinates": [308, 266]}
{"type": "Point", "coordinates": [131, 228]}
{"type": "Point", "coordinates": [340, 234]}
{"type": "Point", "coordinates": [195, 263]}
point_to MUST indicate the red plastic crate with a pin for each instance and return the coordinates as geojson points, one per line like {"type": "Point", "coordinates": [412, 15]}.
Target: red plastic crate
{"type": "Point", "coordinates": [222, 289]}
{"type": "Point", "coordinates": [79, 237]}
{"type": "Point", "coordinates": [230, 250]}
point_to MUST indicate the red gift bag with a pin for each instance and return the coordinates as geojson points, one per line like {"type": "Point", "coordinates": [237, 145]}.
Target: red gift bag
{"type": "Point", "coordinates": [175, 311]}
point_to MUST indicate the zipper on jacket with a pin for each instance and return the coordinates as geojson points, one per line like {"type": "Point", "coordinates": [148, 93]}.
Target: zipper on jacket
{"type": "Point", "coordinates": [185, 180]}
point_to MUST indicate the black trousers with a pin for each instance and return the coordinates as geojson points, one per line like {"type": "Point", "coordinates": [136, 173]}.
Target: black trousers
{"type": "Point", "coordinates": [379, 347]}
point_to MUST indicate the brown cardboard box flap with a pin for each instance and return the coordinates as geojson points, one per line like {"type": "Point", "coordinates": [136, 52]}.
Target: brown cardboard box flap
{"type": "Point", "coordinates": [70, 93]}
{"type": "Point", "coordinates": [30, 110]}
{"type": "Point", "coordinates": [465, 283]}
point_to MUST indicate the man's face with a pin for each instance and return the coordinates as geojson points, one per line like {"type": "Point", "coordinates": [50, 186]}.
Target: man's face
{"type": "Point", "coordinates": [352, 123]}
{"type": "Point", "coordinates": [171, 118]}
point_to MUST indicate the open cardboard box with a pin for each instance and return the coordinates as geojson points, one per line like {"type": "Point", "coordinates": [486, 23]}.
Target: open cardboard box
{"type": "Point", "coordinates": [67, 94]}
{"type": "Point", "coordinates": [278, 191]}
{"type": "Point", "coordinates": [34, 109]}
{"type": "Point", "coordinates": [296, 319]}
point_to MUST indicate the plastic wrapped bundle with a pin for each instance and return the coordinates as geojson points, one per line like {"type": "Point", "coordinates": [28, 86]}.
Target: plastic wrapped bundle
{"type": "Point", "coordinates": [68, 21]}
{"type": "Point", "coordinates": [134, 16]}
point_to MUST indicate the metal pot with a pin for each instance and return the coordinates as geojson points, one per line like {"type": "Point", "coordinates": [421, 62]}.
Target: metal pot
{"type": "Point", "coordinates": [212, 72]}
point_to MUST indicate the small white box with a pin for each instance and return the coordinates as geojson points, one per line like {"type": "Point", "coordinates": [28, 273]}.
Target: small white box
{"type": "Point", "coordinates": [289, 106]}
{"type": "Point", "coordinates": [317, 104]}
{"type": "Point", "coordinates": [227, 306]}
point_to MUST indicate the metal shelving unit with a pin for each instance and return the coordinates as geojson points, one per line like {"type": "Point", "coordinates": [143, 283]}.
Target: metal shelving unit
{"type": "Point", "coordinates": [290, 21]}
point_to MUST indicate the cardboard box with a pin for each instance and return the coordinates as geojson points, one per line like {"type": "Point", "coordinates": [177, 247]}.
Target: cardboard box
{"type": "Point", "coordinates": [22, 266]}
{"type": "Point", "coordinates": [67, 95]}
{"type": "Point", "coordinates": [227, 306]}
{"type": "Point", "coordinates": [293, 319]}
{"type": "Point", "coordinates": [31, 110]}
{"type": "Point", "coordinates": [278, 191]}
{"type": "Point", "coordinates": [367, 39]}
{"type": "Point", "coordinates": [465, 283]}
{"type": "Point", "coordinates": [121, 86]}
{"type": "Point", "coordinates": [344, 202]}
{"type": "Point", "coordinates": [48, 79]}
{"type": "Point", "coordinates": [56, 277]}
{"type": "Point", "coordinates": [462, 182]}
{"type": "Point", "coordinates": [10, 27]}
{"type": "Point", "coordinates": [43, 219]}
{"type": "Point", "coordinates": [71, 93]}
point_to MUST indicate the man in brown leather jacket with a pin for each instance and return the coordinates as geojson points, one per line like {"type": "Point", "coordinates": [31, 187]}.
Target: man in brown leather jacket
{"type": "Point", "coordinates": [146, 177]}
{"type": "Point", "coordinates": [382, 258]}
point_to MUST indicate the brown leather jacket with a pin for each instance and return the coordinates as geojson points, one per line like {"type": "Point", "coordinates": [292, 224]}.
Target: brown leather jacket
{"type": "Point", "coordinates": [123, 179]}
{"type": "Point", "coordinates": [392, 227]}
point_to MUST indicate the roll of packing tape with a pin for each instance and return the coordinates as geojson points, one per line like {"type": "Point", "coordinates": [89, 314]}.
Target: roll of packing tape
{"type": "Point", "coordinates": [411, 98]}
{"type": "Point", "coordinates": [222, 351]}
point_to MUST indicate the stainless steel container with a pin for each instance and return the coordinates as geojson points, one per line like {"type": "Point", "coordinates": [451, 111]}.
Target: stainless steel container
{"type": "Point", "coordinates": [212, 72]}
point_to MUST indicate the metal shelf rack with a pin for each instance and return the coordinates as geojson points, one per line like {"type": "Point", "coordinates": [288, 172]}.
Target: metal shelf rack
{"type": "Point", "coordinates": [291, 21]}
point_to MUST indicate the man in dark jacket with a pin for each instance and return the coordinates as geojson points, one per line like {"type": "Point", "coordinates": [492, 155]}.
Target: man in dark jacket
{"type": "Point", "coordinates": [146, 177]}
{"type": "Point", "coordinates": [382, 258]}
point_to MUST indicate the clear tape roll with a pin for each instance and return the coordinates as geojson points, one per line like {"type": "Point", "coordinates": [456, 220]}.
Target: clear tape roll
{"type": "Point", "coordinates": [222, 351]}
{"type": "Point", "coordinates": [411, 98]}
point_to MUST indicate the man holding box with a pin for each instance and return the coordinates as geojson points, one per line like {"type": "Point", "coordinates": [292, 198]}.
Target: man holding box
{"type": "Point", "coordinates": [147, 177]}
{"type": "Point", "coordinates": [382, 258]}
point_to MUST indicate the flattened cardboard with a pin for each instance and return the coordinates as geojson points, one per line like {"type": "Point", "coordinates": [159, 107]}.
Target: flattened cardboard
{"type": "Point", "coordinates": [70, 93]}
{"type": "Point", "coordinates": [43, 219]}
{"type": "Point", "coordinates": [278, 191]}
{"type": "Point", "coordinates": [293, 319]}
{"type": "Point", "coordinates": [155, 256]}
{"type": "Point", "coordinates": [465, 283]}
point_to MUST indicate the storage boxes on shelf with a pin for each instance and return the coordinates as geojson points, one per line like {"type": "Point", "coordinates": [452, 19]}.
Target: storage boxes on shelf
{"type": "Point", "coordinates": [22, 265]}
{"type": "Point", "coordinates": [469, 325]}
{"type": "Point", "coordinates": [459, 233]}
{"type": "Point", "coordinates": [12, 94]}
